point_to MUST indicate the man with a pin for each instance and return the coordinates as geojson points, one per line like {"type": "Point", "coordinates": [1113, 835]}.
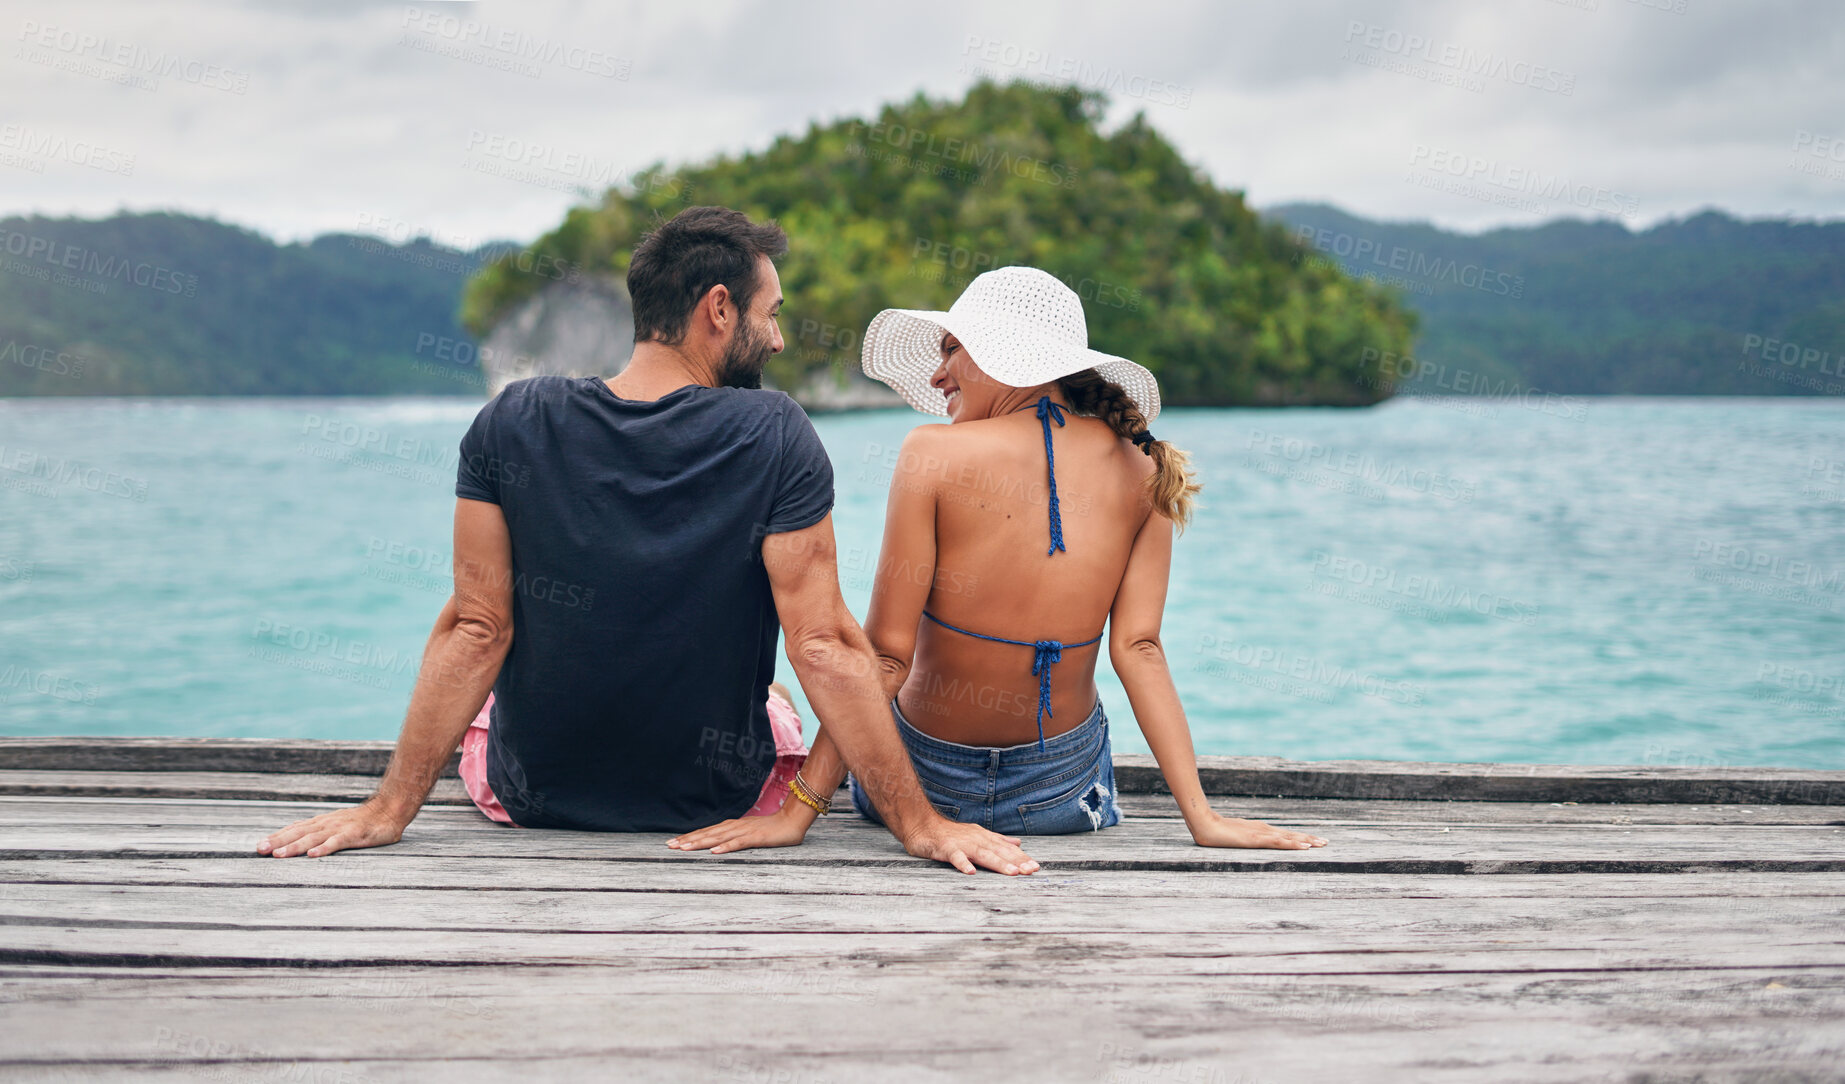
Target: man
{"type": "Point", "coordinates": [624, 550]}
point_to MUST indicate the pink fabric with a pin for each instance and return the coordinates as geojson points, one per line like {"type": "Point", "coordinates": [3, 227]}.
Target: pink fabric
{"type": "Point", "coordinates": [474, 765]}
{"type": "Point", "coordinates": [784, 723]}
{"type": "Point", "coordinates": [790, 754]}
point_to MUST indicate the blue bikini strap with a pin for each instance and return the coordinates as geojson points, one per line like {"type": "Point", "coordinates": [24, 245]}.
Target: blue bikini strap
{"type": "Point", "coordinates": [1047, 653]}
{"type": "Point", "coordinates": [1046, 411]}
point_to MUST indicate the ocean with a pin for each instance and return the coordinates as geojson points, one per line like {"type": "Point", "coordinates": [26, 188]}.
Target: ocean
{"type": "Point", "coordinates": [1554, 580]}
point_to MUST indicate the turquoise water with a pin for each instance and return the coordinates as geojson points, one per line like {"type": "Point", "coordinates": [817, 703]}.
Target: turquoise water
{"type": "Point", "coordinates": [1617, 581]}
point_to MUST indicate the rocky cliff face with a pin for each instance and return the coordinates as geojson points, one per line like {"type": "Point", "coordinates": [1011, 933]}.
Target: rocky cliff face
{"type": "Point", "coordinates": [586, 328]}
{"type": "Point", "coordinates": [582, 328]}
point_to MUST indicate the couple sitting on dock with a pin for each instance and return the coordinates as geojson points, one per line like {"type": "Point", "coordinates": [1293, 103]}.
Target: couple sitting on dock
{"type": "Point", "coordinates": [626, 551]}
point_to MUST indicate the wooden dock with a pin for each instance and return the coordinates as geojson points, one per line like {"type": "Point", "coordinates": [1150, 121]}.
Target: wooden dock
{"type": "Point", "coordinates": [1468, 923]}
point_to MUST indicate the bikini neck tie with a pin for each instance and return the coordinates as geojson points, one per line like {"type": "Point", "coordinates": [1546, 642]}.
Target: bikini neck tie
{"type": "Point", "coordinates": [1046, 411]}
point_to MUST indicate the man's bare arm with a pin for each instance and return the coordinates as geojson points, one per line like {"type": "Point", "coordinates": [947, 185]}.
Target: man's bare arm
{"type": "Point", "coordinates": [460, 663]}
{"type": "Point", "coordinates": [839, 671]}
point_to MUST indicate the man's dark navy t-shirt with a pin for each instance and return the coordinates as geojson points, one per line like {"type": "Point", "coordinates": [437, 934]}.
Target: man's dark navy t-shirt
{"type": "Point", "coordinates": [634, 695]}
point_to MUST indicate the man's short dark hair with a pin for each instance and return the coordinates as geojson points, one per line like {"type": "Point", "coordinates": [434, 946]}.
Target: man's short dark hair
{"type": "Point", "coordinates": [677, 264]}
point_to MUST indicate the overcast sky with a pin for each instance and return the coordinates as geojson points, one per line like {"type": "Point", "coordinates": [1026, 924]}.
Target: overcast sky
{"type": "Point", "coordinates": [298, 118]}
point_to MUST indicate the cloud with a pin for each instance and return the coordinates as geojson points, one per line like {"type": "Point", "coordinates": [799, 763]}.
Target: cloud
{"type": "Point", "coordinates": [304, 118]}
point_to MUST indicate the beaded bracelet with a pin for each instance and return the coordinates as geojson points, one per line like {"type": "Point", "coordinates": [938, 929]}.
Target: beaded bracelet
{"type": "Point", "coordinates": [799, 788]}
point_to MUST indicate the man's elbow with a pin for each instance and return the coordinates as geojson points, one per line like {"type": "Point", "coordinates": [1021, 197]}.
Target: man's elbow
{"type": "Point", "coordinates": [829, 652]}
{"type": "Point", "coordinates": [484, 632]}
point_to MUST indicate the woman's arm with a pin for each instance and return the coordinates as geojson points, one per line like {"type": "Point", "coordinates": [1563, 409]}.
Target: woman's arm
{"type": "Point", "coordinates": [1139, 659]}
{"type": "Point", "coordinates": [906, 560]}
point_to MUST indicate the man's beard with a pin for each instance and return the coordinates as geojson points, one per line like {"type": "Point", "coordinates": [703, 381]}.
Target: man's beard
{"type": "Point", "coordinates": [743, 360]}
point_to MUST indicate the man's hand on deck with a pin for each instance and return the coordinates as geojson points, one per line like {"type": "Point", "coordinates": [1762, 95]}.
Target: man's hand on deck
{"type": "Point", "coordinates": [365, 825]}
{"type": "Point", "coordinates": [965, 846]}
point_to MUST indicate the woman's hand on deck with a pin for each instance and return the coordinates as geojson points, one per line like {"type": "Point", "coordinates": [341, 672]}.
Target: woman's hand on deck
{"type": "Point", "coordinates": [364, 825]}
{"type": "Point", "coordinates": [785, 828]}
{"type": "Point", "coordinates": [1219, 831]}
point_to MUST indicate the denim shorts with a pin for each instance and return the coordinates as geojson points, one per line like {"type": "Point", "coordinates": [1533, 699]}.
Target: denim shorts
{"type": "Point", "coordinates": [1017, 790]}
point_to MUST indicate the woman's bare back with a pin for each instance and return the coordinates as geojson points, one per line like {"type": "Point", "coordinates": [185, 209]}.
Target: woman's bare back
{"type": "Point", "coordinates": [994, 576]}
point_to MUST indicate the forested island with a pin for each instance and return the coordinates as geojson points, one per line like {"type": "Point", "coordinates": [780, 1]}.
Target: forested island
{"type": "Point", "coordinates": [904, 208]}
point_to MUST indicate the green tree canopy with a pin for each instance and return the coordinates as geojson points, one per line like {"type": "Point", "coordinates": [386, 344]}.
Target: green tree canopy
{"type": "Point", "coordinates": [905, 209]}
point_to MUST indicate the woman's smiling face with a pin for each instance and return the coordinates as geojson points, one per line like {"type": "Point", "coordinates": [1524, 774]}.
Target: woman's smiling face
{"type": "Point", "coordinates": [970, 393]}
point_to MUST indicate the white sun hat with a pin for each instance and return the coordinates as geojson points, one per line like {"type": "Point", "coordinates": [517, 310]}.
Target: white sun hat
{"type": "Point", "coordinates": [1020, 325]}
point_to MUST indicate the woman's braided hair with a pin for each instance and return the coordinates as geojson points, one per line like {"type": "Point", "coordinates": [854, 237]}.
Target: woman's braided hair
{"type": "Point", "coordinates": [1170, 487]}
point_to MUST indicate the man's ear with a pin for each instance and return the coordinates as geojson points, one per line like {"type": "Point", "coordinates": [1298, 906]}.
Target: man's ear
{"type": "Point", "coordinates": [717, 308]}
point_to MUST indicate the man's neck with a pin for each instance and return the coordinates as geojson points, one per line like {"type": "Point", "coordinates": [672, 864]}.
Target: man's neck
{"type": "Point", "coordinates": [656, 369]}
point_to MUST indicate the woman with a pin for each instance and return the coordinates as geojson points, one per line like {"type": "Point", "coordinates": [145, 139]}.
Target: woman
{"type": "Point", "coordinates": [1044, 509]}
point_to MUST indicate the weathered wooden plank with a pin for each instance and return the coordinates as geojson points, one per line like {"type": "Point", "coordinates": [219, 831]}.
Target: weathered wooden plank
{"type": "Point", "coordinates": [1320, 812]}
{"type": "Point", "coordinates": [301, 755]}
{"type": "Point", "coordinates": [1017, 907]}
{"type": "Point", "coordinates": [1277, 778]}
{"type": "Point", "coordinates": [1253, 776]}
{"type": "Point", "coordinates": [890, 1023]}
{"type": "Point", "coordinates": [223, 786]}
{"type": "Point", "coordinates": [385, 868]}
{"type": "Point", "coordinates": [22, 788]}
{"type": "Point", "coordinates": [1143, 844]}
{"type": "Point", "coordinates": [1095, 957]}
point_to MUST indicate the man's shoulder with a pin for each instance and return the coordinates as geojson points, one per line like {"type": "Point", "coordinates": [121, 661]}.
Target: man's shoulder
{"type": "Point", "coordinates": [537, 389]}
{"type": "Point", "coordinates": [774, 410]}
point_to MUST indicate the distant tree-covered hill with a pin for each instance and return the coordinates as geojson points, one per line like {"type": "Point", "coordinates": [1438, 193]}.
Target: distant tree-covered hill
{"type": "Point", "coordinates": [904, 208]}
{"type": "Point", "coordinates": [166, 304]}
{"type": "Point", "coordinates": [1705, 305]}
